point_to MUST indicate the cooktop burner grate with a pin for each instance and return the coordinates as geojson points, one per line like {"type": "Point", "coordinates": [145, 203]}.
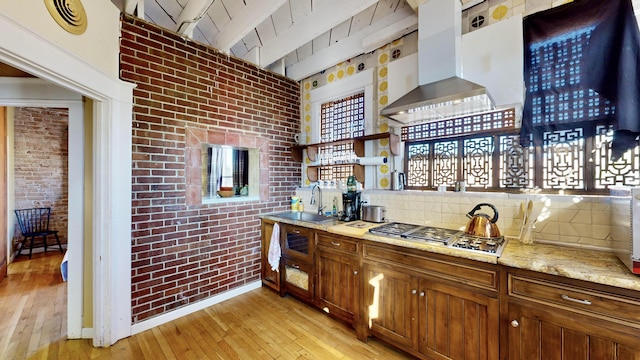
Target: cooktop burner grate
{"type": "Point", "coordinates": [432, 234]}
{"type": "Point", "coordinates": [492, 245]}
{"type": "Point", "coordinates": [453, 238]}
{"type": "Point", "coordinates": [394, 229]}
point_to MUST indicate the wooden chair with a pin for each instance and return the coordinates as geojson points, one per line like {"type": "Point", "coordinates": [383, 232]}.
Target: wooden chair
{"type": "Point", "coordinates": [35, 222]}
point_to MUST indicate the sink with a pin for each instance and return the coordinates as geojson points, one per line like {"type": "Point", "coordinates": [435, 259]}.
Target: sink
{"type": "Point", "coordinates": [303, 216]}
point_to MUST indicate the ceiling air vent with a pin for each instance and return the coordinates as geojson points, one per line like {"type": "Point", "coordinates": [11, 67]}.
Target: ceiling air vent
{"type": "Point", "coordinates": [69, 14]}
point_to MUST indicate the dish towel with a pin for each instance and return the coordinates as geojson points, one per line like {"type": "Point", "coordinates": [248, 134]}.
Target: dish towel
{"type": "Point", "coordinates": [274, 248]}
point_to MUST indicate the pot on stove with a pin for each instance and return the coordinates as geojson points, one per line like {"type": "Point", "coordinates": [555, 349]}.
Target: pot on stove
{"type": "Point", "coordinates": [373, 213]}
{"type": "Point", "coordinates": [482, 225]}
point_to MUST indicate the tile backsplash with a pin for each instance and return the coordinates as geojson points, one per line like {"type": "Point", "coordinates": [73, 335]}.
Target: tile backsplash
{"type": "Point", "coordinates": [568, 220]}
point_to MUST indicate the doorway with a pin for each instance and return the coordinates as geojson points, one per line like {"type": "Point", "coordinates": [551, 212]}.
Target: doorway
{"type": "Point", "coordinates": [37, 93]}
{"type": "Point", "coordinates": [110, 213]}
{"type": "Point", "coordinates": [38, 147]}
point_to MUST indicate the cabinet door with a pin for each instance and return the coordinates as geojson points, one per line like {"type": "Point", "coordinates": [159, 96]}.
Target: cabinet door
{"type": "Point", "coordinates": [337, 284]}
{"type": "Point", "coordinates": [457, 324]}
{"type": "Point", "coordinates": [537, 332]}
{"type": "Point", "coordinates": [391, 304]}
{"type": "Point", "coordinates": [270, 277]}
{"type": "Point", "coordinates": [298, 243]}
{"type": "Point", "coordinates": [298, 279]}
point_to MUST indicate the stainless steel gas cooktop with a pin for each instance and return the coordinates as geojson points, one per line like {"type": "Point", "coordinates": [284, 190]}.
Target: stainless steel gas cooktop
{"type": "Point", "coordinates": [448, 237]}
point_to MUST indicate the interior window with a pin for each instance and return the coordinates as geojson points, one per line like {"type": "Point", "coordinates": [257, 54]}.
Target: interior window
{"type": "Point", "coordinates": [225, 171]}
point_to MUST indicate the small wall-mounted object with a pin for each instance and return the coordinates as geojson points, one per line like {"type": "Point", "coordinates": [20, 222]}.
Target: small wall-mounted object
{"type": "Point", "coordinates": [69, 14]}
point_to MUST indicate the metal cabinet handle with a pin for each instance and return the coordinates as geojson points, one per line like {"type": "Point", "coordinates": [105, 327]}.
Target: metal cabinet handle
{"type": "Point", "coordinates": [335, 243]}
{"type": "Point", "coordinates": [414, 291]}
{"type": "Point", "coordinates": [295, 266]}
{"type": "Point", "coordinates": [422, 293]}
{"type": "Point", "coordinates": [515, 323]}
{"type": "Point", "coordinates": [579, 301]}
{"type": "Point", "coordinates": [355, 272]}
{"type": "Point", "coordinates": [296, 231]}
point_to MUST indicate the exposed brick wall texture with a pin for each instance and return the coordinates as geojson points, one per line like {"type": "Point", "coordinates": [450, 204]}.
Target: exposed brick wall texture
{"type": "Point", "coordinates": [182, 254]}
{"type": "Point", "coordinates": [41, 165]}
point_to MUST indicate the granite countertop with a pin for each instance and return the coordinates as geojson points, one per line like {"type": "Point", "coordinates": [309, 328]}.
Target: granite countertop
{"type": "Point", "coordinates": [570, 262]}
{"type": "Point", "coordinates": [589, 265]}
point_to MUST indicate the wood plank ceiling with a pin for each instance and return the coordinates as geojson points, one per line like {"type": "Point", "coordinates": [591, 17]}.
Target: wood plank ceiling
{"type": "Point", "coordinates": [295, 37]}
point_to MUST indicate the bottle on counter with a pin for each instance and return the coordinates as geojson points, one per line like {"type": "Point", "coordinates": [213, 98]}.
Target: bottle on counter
{"type": "Point", "coordinates": [334, 211]}
{"type": "Point", "coordinates": [351, 183]}
{"type": "Point", "coordinates": [301, 205]}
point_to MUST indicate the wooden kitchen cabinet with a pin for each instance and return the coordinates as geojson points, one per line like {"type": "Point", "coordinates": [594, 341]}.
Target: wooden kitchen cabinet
{"type": "Point", "coordinates": [297, 257]}
{"type": "Point", "coordinates": [457, 324]}
{"type": "Point", "coordinates": [428, 316]}
{"type": "Point", "coordinates": [553, 319]}
{"type": "Point", "coordinates": [270, 277]}
{"type": "Point", "coordinates": [337, 276]}
{"type": "Point", "coordinates": [392, 305]}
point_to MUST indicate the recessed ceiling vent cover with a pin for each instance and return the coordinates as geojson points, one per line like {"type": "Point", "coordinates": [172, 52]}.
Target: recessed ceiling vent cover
{"type": "Point", "coordinates": [69, 14]}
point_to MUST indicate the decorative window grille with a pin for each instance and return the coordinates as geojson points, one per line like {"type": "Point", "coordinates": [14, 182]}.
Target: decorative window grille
{"type": "Point", "coordinates": [624, 171]}
{"type": "Point", "coordinates": [469, 124]}
{"type": "Point", "coordinates": [516, 163]}
{"type": "Point", "coordinates": [569, 146]}
{"type": "Point", "coordinates": [577, 158]}
{"type": "Point", "coordinates": [478, 161]}
{"type": "Point", "coordinates": [342, 119]}
{"type": "Point", "coordinates": [339, 120]}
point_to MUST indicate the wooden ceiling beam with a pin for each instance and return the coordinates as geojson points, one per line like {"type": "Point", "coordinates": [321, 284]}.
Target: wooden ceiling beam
{"type": "Point", "coordinates": [389, 28]}
{"type": "Point", "coordinates": [333, 13]}
{"type": "Point", "coordinates": [246, 21]}
{"type": "Point", "coordinates": [415, 4]}
{"type": "Point", "coordinates": [192, 12]}
{"type": "Point", "coordinates": [134, 7]}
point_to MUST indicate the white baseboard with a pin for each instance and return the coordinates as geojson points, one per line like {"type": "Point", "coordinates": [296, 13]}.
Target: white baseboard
{"type": "Point", "coordinates": [183, 311]}
{"type": "Point", "coordinates": [87, 333]}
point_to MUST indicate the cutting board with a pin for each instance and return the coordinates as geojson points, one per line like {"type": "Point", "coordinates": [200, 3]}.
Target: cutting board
{"type": "Point", "coordinates": [353, 228]}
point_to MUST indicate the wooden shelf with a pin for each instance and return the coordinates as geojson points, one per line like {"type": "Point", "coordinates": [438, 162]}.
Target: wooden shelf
{"type": "Point", "coordinates": [358, 171]}
{"type": "Point", "coordinates": [358, 146]}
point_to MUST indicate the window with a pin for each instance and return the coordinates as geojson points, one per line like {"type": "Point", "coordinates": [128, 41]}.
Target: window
{"type": "Point", "coordinates": [568, 128]}
{"type": "Point", "coordinates": [340, 120]}
{"type": "Point", "coordinates": [226, 172]}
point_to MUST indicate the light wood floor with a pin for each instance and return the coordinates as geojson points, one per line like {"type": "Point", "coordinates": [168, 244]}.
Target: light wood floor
{"type": "Point", "coordinates": [256, 325]}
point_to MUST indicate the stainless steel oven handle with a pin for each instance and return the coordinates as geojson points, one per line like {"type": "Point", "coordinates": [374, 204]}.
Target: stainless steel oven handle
{"type": "Point", "coordinates": [579, 301]}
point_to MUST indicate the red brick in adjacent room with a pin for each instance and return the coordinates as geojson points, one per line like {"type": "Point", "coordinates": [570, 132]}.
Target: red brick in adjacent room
{"type": "Point", "coordinates": [41, 164]}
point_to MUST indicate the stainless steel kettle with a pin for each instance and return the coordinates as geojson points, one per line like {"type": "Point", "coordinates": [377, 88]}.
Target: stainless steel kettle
{"type": "Point", "coordinates": [482, 225]}
{"type": "Point", "coordinates": [398, 180]}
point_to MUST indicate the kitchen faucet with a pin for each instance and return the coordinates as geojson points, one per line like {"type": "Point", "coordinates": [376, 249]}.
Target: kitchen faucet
{"type": "Point", "coordinates": [313, 197]}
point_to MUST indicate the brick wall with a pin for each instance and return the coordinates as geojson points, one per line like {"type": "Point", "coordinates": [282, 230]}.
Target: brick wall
{"type": "Point", "coordinates": [185, 253]}
{"type": "Point", "coordinates": [41, 164]}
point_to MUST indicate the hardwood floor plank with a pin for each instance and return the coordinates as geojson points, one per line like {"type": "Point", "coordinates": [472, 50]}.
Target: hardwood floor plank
{"type": "Point", "coordinates": [257, 325]}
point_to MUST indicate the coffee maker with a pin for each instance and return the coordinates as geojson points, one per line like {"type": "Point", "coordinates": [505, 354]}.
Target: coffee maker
{"type": "Point", "coordinates": [351, 205]}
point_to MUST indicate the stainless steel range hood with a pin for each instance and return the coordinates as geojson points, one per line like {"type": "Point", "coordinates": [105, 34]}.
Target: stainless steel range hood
{"type": "Point", "coordinates": [442, 92]}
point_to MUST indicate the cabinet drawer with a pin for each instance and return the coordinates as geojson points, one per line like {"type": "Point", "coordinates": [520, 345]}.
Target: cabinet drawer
{"type": "Point", "coordinates": [574, 298]}
{"type": "Point", "coordinates": [338, 243]}
{"type": "Point", "coordinates": [469, 274]}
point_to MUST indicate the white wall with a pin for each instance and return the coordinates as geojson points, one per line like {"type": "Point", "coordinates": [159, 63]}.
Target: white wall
{"type": "Point", "coordinates": [99, 45]}
{"type": "Point", "coordinates": [89, 70]}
